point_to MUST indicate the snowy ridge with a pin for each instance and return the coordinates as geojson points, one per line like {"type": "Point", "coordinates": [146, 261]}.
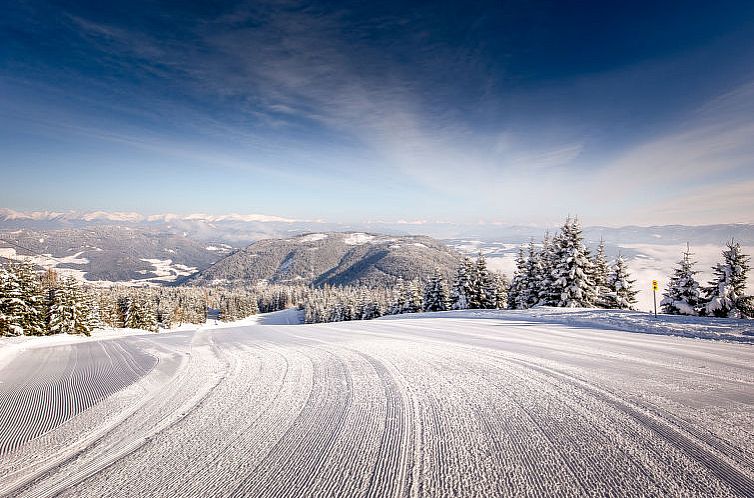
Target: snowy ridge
{"type": "Point", "coordinates": [356, 239]}
{"type": "Point", "coordinates": [336, 258]}
{"type": "Point", "coordinates": [133, 217]}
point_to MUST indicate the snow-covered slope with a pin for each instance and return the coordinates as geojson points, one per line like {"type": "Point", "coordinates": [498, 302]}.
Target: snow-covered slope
{"type": "Point", "coordinates": [425, 406]}
{"type": "Point", "coordinates": [332, 258]}
{"type": "Point", "coordinates": [112, 253]}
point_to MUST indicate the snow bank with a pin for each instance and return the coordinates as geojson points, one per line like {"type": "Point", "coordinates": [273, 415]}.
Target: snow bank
{"type": "Point", "coordinates": [623, 320]}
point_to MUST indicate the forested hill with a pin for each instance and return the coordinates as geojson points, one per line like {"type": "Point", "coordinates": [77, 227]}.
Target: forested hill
{"type": "Point", "coordinates": [332, 258]}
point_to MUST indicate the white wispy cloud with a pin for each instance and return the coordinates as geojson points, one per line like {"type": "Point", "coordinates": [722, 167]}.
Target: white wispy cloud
{"type": "Point", "coordinates": [701, 171]}
{"type": "Point", "coordinates": [293, 65]}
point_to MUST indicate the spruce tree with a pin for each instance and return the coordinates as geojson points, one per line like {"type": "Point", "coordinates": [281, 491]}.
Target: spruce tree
{"type": "Point", "coordinates": [726, 294]}
{"type": "Point", "coordinates": [531, 284]}
{"type": "Point", "coordinates": [12, 306]}
{"type": "Point", "coordinates": [500, 291]}
{"type": "Point", "coordinates": [517, 285]}
{"type": "Point", "coordinates": [398, 302]}
{"type": "Point", "coordinates": [462, 292]}
{"type": "Point", "coordinates": [69, 312]}
{"type": "Point", "coordinates": [482, 285]}
{"type": "Point", "coordinates": [413, 300]}
{"type": "Point", "coordinates": [546, 263]}
{"type": "Point", "coordinates": [620, 293]}
{"type": "Point", "coordinates": [572, 282]}
{"type": "Point", "coordinates": [682, 296]}
{"type": "Point", "coordinates": [148, 316]}
{"type": "Point", "coordinates": [436, 293]}
{"type": "Point", "coordinates": [600, 275]}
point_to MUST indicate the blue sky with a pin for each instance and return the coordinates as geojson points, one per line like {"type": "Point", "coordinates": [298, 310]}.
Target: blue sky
{"type": "Point", "coordinates": [515, 112]}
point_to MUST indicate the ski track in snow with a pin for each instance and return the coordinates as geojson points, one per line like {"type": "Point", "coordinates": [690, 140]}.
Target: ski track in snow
{"type": "Point", "coordinates": [404, 407]}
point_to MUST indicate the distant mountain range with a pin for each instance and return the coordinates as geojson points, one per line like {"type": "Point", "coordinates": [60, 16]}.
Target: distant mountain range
{"type": "Point", "coordinates": [241, 229]}
{"type": "Point", "coordinates": [131, 217]}
{"type": "Point", "coordinates": [333, 258]}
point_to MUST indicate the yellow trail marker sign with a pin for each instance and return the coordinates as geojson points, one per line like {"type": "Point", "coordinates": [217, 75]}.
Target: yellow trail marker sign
{"type": "Point", "coordinates": [654, 284]}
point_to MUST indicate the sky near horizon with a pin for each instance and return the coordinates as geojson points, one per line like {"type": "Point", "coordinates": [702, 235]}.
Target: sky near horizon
{"type": "Point", "coordinates": [515, 112]}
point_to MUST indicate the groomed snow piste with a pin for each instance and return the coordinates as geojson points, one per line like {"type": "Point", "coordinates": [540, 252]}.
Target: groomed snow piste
{"type": "Point", "coordinates": [434, 405]}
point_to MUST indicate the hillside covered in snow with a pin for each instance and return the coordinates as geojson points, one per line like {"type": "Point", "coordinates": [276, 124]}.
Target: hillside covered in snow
{"type": "Point", "coordinates": [334, 258]}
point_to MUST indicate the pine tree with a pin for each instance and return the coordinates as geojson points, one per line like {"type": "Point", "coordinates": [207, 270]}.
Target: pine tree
{"type": "Point", "coordinates": [725, 296]}
{"type": "Point", "coordinates": [600, 274]}
{"type": "Point", "coordinates": [149, 316]}
{"type": "Point", "coordinates": [500, 292]}
{"type": "Point", "coordinates": [481, 285]}
{"type": "Point", "coordinates": [69, 312]}
{"type": "Point", "coordinates": [133, 317]}
{"type": "Point", "coordinates": [371, 308]}
{"type": "Point", "coordinates": [461, 294]}
{"type": "Point", "coordinates": [620, 293]}
{"type": "Point", "coordinates": [12, 305]}
{"type": "Point", "coordinates": [531, 284]}
{"type": "Point", "coordinates": [682, 296]}
{"type": "Point", "coordinates": [518, 284]}
{"type": "Point", "coordinates": [572, 281]}
{"type": "Point", "coordinates": [436, 293]}
{"type": "Point", "coordinates": [546, 262]}
{"type": "Point", "coordinates": [32, 293]}
{"type": "Point", "coordinates": [93, 316]}
{"type": "Point", "coordinates": [413, 300]}
{"type": "Point", "coordinates": [398, 302]}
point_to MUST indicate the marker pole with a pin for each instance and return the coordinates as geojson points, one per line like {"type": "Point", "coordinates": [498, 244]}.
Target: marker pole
{"type": "Point", "coordinates": [654, 297]}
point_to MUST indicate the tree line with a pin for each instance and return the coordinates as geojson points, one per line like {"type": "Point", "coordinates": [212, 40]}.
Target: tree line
{"type": "Point", "coordinates": [33, 303]}
{"type": "Point", "coordinates": [561, 272]}
{"type": "Point", "coordinates": [474, 286]}
{"type": "Point", "coordinates": [724, 296]}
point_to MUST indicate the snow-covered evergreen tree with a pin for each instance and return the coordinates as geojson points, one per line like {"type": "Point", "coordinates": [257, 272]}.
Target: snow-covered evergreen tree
{"type": "Point", "coordinates": [725, 296]}
{"type": "Point", "coordinates": [69, 313]}
{"type": "Point", "coordinates": [32, 293]}
{"type": "Point", "coordinates": [463, 290]}
{"type": "Point", "coordinates": [413, 302]}
{"type": "Point", "coordinates": [148, 316]}
{"type": "Point", "coordinates": [546, 263]}
{"type": "Point", "coordinates": [133, 313]}
{"type": "Point", "coordinates": [620, 292]}
{"type": "Point", "coordinates": [682, 296]}
{"type": "Point", "coordinates": [436, 293]}
{"type": "Point", "coordinates": [531, 283]}
{"type": "Point", "coordinates": [518, 283]}
{"type": "Point", "coordinates": [500, 292]}
{"type": "Point", "coordinates": [371, 308]}
{"type": "Point", "coordinates": [600, 274]}
{"type": "Point", "coordinates": [91, 305]}
{"type": "Point", "coordinates": [12, 306]}
{"type": "Point", "coordinates": [572, 281]}
{"type": "Point", "coordinates": [398, 302]}
{"type": "Point", "coordinates": [482, 285]}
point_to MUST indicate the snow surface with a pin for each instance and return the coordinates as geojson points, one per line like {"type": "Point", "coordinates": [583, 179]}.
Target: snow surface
{"type": "Point", "coordinates": [166, 271]}
{"type": "Point", "coordinates": [47, 261]}
{"type": "Point", "coordinates": [357, 239]}
{"type": "Point", "coordinates": [313, 237]}
{"type": "Point", "coordinates": [422, 405]}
